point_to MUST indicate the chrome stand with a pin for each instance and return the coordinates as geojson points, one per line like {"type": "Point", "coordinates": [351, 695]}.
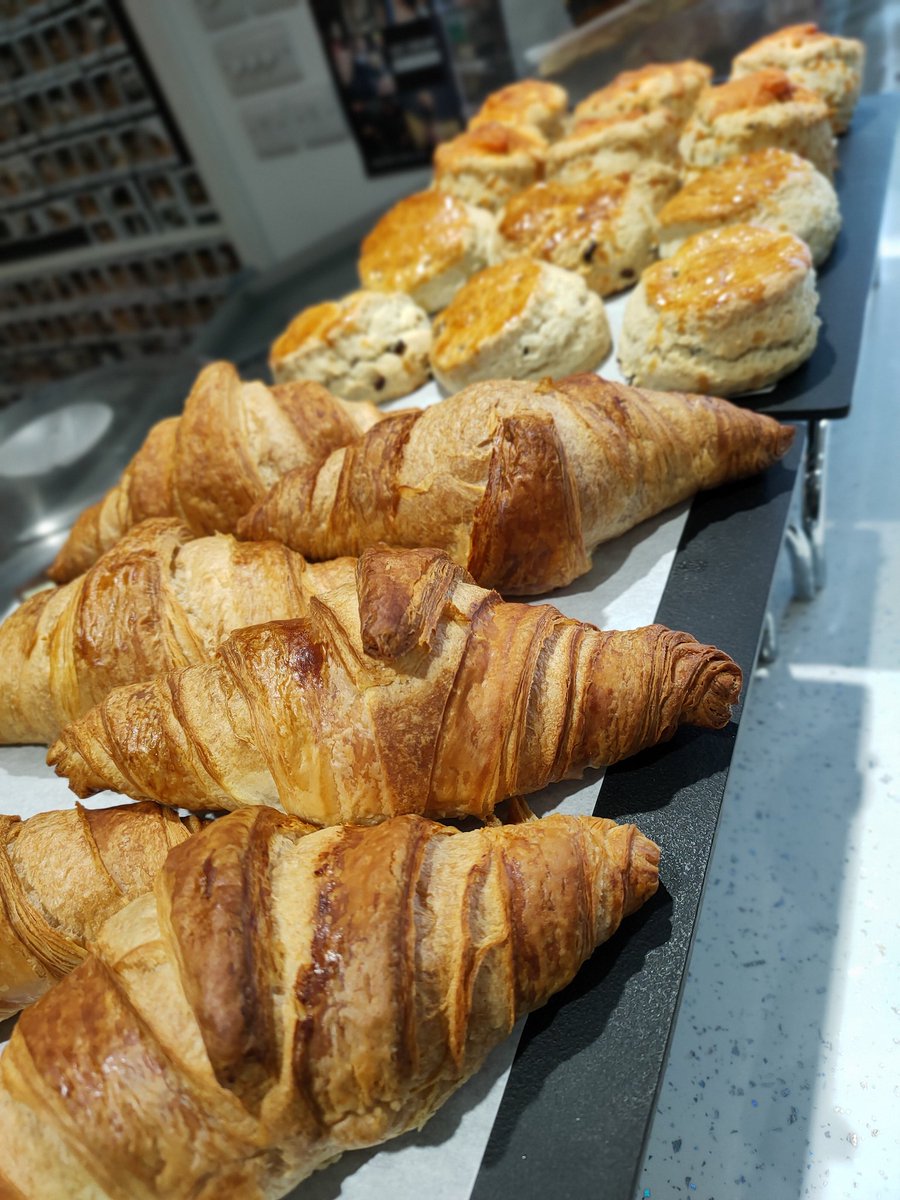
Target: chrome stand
{"type": "Point", "coordinates": [806, 542]}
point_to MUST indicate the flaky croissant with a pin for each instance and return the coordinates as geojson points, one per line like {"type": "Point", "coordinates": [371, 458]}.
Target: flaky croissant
{"type": "Point", "coordinates": [157, 601]}
{"type": "Point", "coordinates": [416, 691]}
{"type": "Point", "coordinates": [61, 875]}
{"type": "Point", "coordinates": [281, 999]}
{"type": "Point", "coordinates": [211, 464]}
{"type": "Point", "coordinates": [517, 481]}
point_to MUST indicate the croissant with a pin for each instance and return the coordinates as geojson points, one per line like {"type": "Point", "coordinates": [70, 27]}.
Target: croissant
{"type": "Point", "coordinates": [517, 481]}
{"type": "Point", "coordinates": [416, 691]}
{"type": "Point", "coordinates": [281, 999]}
{"type": "Point", "coordinates": [157, 601]}
{"type": "Point", "coordinates": [211, 464]}
{"type": "Point", "coordinates": [61, 875]}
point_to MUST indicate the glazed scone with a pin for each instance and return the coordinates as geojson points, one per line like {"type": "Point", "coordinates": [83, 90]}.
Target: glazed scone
{"type": "Point", "coordinates": [521, 319]}
{"type": "Point", "coordinates": [676, 86]}
{"type": "Point", "coordinates": [732, 311]}
{"type": "Point", "coordinates": [764, 109]}
{"type": "Point", "coordinates": [773, 188]}
{"type": "Point", "coordinates": [367, 346]}
{"type": "Point", "coordinates": [611, 145]}
{"type": "Point", "coordinates": [486, 165]}
{"type": "Point", "coordinates": [531, 102]}
{"type": "Point", "coordinates": [603, 228]}
{"type": "Point", "coordinates": [427, 245]}
{"type": "Point", "coordinates": [832, 67]}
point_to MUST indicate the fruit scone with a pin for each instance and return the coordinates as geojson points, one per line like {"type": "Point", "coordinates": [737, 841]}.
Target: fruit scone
{"type": "Point", "coordinates": [733, 310]}
{"type": "Point", "coordinates": [767, 108]}
{"type": "Point", "coordinates": [830, 66]}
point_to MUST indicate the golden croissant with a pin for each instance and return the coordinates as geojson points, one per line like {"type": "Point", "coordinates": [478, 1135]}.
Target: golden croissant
{"type": "Point", "coordinates": [61, 875]}
{"type": "Point", "coordinates": [157, 601]}
{"type": "Point", "coordinates": [283, 998]}
{"type": "Point", "coordinates": [211, 464]}
{"type": "Point", "coordinates": [415, 691]}
{"type": "Point", "coordinates": [517, 481]}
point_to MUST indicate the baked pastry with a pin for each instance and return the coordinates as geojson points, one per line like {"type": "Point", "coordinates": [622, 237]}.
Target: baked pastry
{"type": "Point", "coordinates": [773, 188]}
{"type": "Point", "coordinates": [367, 346]}
{"type": "Point", "coordinates": [212, 463]}
{"type": "Point", "coordinates": [731, 311]}
{"type": "Point", "coordinates": [414, 691]}
{"type": "Point", "coordinates": [522, 319]}
{"type": "Point", "coordinates": [518, 481]}
{"type": "Point", "coordinates": [536, 103]}
{"type": "Point", "coordinates": [830, 66]}
{"type": "Point", "coordinates": [62, 874]}
{"type": "Point", "coordinates": [427, 245]}
{"type": "Point", "coordinates": [764, 109]}
{"type": "Point", "coordinates": [603, 228]}
{"type": "Point", "coordinates": [612, 145]}
{"type": "Point", "coordinates": [489, 163]}
{"type": "Point", "coordinates": [675, 85]}
{"type": "Point", "coordinates": [157, 601]}
{"type": "Point", "coordinates": [283, 998]}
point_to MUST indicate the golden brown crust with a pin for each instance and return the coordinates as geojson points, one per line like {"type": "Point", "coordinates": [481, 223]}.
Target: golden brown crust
{"type": "Point", "coordinates": [421, 236]}
{"type": "Point", "coordinates": [386, 964]}
{"type": "Point", "coordinates": [732, 269]}
{"type": "Point", "coordinates": [62, 874]}
{"type": "Point", "coordinates": [759, 90]}
{"type": "Point", "coordinates": [488, 141]}
{"type": "Point", "coordinates": [533, 102]}
{"type": "Point", "coordinates": [675, 85]}
{"type": "Point", "coordinates": [319, 321]}
{"type": "Point", "coordinates": [795, 36]}
{"type": "Point", "coordinates": [212, 463]}
{"type": "Point", "coordinates": [732, 189]}
{"type": "Point", "coordinates": [547, 214]}
{"type": "Point", "coordinates": [624, 453]}
{"type": "Point", "coordinates": [157, 601]}
{"type": "Point", "coordinates": [481, 309]}
{"type": "Point", "coordinates": [469, 701]}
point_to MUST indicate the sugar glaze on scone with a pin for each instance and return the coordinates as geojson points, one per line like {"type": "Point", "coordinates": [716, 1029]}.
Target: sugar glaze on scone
{"type": "Point", "coordinates": [611, 145]}
{"type": "Point", "coordinates": [536, 103]}
{"type": "Point", "coordinates": [603, 228]}
{"type": "Point", "coordinates": [522, 319]}
{"type": "Point", "coordinates": [367, 346]}
{"type": "Point", "coordinates": [676, 86]}
{"type": "Point", "coordinates": [486, 165]}
{"type": "Point", "coordinates": [732, 311]}
{"type": "Point", "coordinates": [766, 108]}
{"type": "Point", "coordinates": [772, 188]}
{"type": "Point", "coordinates": [427, 245]}
{"type": "Point", "coordinates": [830, 66]}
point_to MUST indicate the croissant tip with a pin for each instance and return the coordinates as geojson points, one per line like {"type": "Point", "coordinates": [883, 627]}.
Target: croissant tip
{"type": "Point", "coordinates": [644, 869]}
{"type": "Point", "coordinates": [785, 439]}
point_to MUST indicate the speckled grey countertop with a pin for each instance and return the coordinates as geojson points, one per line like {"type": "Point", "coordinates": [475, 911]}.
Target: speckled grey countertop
{"type": "Point", "coordinates": [783, 1073]}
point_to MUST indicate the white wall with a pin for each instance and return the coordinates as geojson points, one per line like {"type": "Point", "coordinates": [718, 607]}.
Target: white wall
{"type": "Point", "coordinates": [273, 207]}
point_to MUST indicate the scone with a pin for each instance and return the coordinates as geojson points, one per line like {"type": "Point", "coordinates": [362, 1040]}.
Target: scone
{"type": "Point", "coordinates": [427, 246]}
{"type": "Point", "coordinates": [530, 102]}
{"type": "Point", "coordinates": [611, 145]}
{"type": "Point", "coordinates": [521, 319]}
{"type": "Point", "coordinates": [488, 164]}
{"type": "Point", "coordinates": [764, 109]}
{"type": "Point", "coordinates": [773, 188]}
{"type": "Point", "coordinates": [676, 86]}
{"type": "Point", "coordinates": [368, 346]}
{"type": "Point", "coordinates": [832, 67]}
{"type": "Point", "coordinates": [603, 228]}
{"type": "Point", "coordinates": [732, 311]}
